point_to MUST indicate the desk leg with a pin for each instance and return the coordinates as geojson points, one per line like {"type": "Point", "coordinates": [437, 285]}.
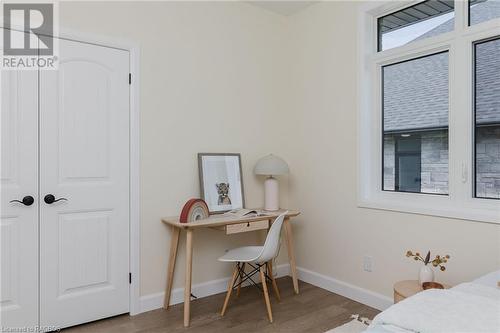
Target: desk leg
{"type": "Point", "coordinates": [291, 254]}
{"type": "Point", "coordinates": [187, 284]}
{"type": "Point", "coordinates": [174, 244]}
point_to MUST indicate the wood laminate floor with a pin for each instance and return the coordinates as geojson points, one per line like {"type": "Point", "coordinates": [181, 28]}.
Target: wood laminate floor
{"type": "Point", "coordinates": [313, 310]}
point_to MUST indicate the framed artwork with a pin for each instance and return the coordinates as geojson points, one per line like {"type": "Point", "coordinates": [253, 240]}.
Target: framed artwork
{"type": "Point", "coordinates": [221, 183]}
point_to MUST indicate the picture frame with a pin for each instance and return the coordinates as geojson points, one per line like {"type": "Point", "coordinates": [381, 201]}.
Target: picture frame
{"type": "Point", "coordinates": [221, 181]}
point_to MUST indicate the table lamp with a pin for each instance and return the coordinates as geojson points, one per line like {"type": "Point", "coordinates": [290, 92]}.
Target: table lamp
{"type": "Point", "coordinates": [270, 166]}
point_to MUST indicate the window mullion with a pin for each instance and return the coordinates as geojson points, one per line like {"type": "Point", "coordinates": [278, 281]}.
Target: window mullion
{"type": "Point", "coordinates": [460, 144]}
{"type": "Point", "coordinates": [461, 15]}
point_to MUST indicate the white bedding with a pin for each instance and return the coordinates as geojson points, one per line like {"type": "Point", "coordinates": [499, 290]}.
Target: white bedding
{"type": "Point", "coordinates": [469, 307]}
{"type": "Point", "coordinates": [490, 280]}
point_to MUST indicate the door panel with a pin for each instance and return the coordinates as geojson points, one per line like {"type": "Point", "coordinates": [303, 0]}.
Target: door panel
{"type": "Point", "coordinates": [85, 250]}
{"type": "Point", "coordinates": [84, 158]}
{"type": "Point", "coordinates": [408, 163]}
{"type": "Point", "coordinates": [19, 178]}
{"type": "Point", "coordinates": [84, 137]}
{"type": "Point", "coordinates": [409, 173]}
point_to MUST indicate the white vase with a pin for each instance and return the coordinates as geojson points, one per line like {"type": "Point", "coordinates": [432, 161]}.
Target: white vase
{"type": "Point", "coordinates": [426, 275]}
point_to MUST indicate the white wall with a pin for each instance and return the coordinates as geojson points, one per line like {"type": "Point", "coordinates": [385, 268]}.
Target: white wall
{"type": "Point", "coordinates": [230, 77]}
{"type": "Point", "coordinates": [332, 234]}
{"type": "Point", "coordinates": [211, 81]}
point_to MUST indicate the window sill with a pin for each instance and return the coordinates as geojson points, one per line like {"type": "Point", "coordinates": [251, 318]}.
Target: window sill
{"type": "Point", "coordinates": [444, 208]}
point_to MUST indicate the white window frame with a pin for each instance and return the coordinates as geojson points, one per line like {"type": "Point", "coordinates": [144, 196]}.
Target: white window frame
{"type": "Point", "coordinates": [460, 203]}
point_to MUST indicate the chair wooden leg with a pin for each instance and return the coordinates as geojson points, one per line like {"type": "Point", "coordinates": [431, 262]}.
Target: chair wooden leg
{"type": "Point", "coordinates": [266, 294]}
{"type": "Point", "coordinates": [269, 266]}
{"type": "Point", "coordinates": [240, 279]}
{"type": "Point", "coordinates": [229, 289]}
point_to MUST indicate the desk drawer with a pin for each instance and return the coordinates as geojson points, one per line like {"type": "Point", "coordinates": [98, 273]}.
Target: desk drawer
{"type": "Point", "coordinates": [244, 227]}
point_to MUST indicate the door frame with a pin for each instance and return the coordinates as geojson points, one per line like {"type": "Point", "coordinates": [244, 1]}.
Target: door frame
{"type": "Point", "coordinates": [134, 146]}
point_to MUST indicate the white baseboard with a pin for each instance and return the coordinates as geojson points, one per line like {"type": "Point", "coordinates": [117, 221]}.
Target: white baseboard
{"type": "Point", "coordinates": [375, 300]}
{"type": "Point", "coordinates": [367, 297]}
{"type": "Point", "coordinates": [200, 290]}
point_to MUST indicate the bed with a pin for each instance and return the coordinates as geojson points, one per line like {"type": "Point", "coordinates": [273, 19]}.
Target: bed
{"type": "Point", "coordinates": [468, 307]}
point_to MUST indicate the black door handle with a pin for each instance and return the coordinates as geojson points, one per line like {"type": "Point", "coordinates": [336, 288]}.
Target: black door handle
{"type": "Point", "coordinates": [27, 200]}
{"type": "Point", "coordinates": [50, 199]}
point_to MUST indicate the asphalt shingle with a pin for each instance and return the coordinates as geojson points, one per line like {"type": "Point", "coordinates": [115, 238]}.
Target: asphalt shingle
{"type": "Point", "coordinates": [416, 92]}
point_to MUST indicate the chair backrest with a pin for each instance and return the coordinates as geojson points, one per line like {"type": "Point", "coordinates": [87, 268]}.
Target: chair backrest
{"type": "Point", "coordinates": [272, 243]}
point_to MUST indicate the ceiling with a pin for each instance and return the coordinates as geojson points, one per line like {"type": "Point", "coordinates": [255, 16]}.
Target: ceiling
{"type": "Point", "coordinates": [283, 7]}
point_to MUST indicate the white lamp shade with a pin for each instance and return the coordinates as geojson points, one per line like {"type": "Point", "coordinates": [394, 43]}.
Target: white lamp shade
{"type": "Point", "coordinates": [271, 165]}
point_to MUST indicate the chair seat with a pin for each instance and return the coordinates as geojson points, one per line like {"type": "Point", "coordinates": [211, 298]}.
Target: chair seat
{"type": "Point", "coordinates": [242, 254]}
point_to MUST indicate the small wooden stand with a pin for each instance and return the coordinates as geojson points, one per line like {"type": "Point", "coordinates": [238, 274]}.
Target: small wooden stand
{"type": "Point", "coordinates": [407, 288]}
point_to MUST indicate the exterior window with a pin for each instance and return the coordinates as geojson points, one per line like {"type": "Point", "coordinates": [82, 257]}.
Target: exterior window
{"type": "Point", "coordinates": [429, 110]}
{"type": "Point", "coordinates": [487, 118]}
{"type": "Point", "coordinates": [483, 10]}
{"type": "Point", "coordinates": [425, 19]}
{"type": "Point", "coordinates": [415, 125]}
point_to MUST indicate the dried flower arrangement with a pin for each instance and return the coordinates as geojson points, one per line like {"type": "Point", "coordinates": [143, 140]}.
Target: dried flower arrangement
{"type": "Point", "coordinates": [437, 261]}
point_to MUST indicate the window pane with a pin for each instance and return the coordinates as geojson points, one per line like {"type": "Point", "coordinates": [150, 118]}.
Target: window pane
{"type": "Point", "coordinates": [487, 115]}
{"type": "Point", "coordinates": [483, 10]}
{"type": "Point", "coordinates": [425, 19]}
{"type": "Point", "coordinates": [415, 119]}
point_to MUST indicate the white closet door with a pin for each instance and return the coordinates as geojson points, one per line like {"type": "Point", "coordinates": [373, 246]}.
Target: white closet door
{"type": "Point", "coordinates": [84, 158]}
{"type": "Point", "coordinates": [19, 179]}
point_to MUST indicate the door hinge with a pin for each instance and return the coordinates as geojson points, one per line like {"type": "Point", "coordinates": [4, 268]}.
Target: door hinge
{"type": "Point", "coordinates": [130, 278]}
{"type": "Point", "coordinates": [129, 78]}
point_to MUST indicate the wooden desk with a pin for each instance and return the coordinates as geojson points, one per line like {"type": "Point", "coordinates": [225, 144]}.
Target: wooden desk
{"type": "Point", "coordinates": [220, 222]}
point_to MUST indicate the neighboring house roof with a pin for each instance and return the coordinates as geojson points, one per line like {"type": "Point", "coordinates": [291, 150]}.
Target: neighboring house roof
{"type": "Point", "coordinates": [488, 82]}
{"type": "Point", "coordinates": [482, 11]}
{"type": "Point", "coordinates": [416, 13]}
{"type": "Point", "coordinates": [416, 91]}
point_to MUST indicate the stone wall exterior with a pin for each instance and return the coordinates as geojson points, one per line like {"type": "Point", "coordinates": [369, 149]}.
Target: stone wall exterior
{"type": "Point", "coordinates": [488, 162]}
{"type": "Point", "coordinates": [434, 159]}
{"type": "Point", "coordinates": [434, 171]}
{"type": "Point", "coordinates": [434, 168]}
{"type": "Point", "coordinates": [389, 163]}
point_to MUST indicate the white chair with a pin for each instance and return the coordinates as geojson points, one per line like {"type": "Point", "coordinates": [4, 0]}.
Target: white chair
{"type": "Point", "coordinates": [260, 259]}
